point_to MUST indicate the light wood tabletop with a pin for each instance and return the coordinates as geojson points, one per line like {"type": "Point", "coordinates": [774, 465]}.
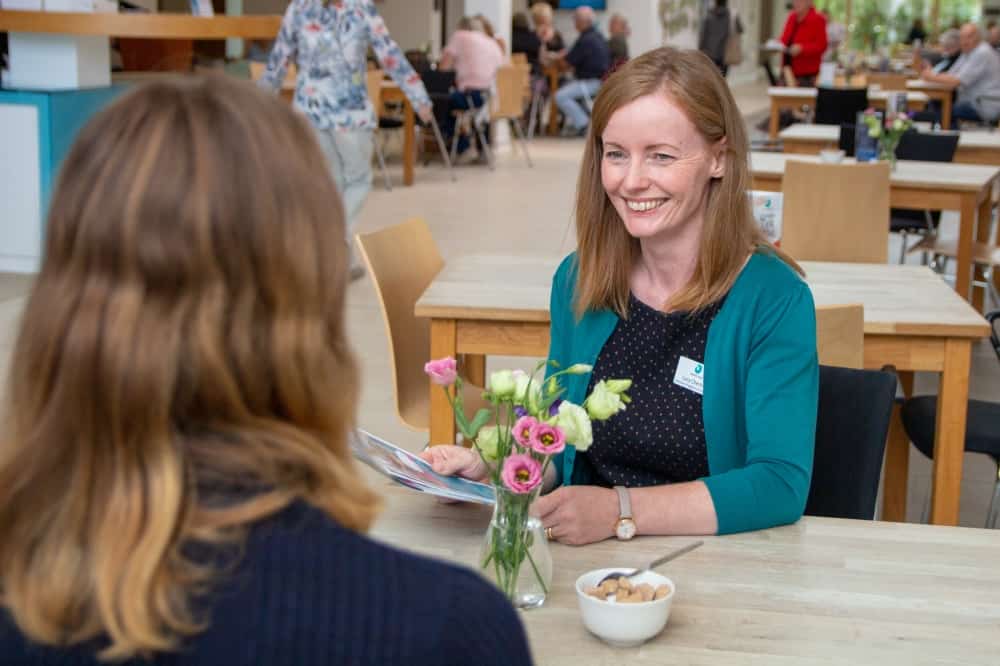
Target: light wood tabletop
{"type": "Point", "coordinates": [809, 139]}
{"type": "Point", "coordinates": [940, 92]}
{"type": "Point", "coordinates": [967, 188]}
{"type": "Point", "coordinates": [391, 92]}
{"type": "Point", "coordinates": [153, 26]}
{"type": "Point", "coordinates": [821, 591]}
{"type": "Point", "coordinates": [793, 98]}
{"type": "Point", "coordinates": [499, 305]}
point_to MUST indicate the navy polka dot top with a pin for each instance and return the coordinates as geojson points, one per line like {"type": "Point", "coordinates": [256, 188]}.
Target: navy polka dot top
{"type": "Point", "coordinates": [660, 438]}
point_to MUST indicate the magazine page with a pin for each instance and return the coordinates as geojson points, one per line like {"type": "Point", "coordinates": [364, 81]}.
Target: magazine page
{"type": "Point", "coordinates": [411, 471]}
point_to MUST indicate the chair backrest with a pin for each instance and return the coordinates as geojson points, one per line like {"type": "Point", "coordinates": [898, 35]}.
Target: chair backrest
{"type": "Point", "coordinates": [835, 106]}
{"type": "Point", "coordinates": [438, 81]}
{"type": "Point", "coordinates": [840, 335]}
{"type": "Point", "coordinates": [519, 58]}
{"type": "Point", "coordinates": [836, 212]}
{"type": "Point", "coordinates": [846, 139]}
{"type": "Point", "coordinates": [510, 86]}
{"type": "Point", "coordinates": [402, 261]}
{"type": "Point", "coordinates": [928, 146]}
{"type": "Point", "coordinates": [374, 83]}
{"type": "Point", "coordinates": [851, 426]}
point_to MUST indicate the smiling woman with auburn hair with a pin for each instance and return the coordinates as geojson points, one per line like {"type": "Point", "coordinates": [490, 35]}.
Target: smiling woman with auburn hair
{"type": "Point", "coordinates": [175, 477]}
{"type": "Point", "coordinates": [674, 286]}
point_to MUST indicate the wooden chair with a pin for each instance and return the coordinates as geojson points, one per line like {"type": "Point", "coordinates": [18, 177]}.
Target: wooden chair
{"type": "Point", "coordinates": [373, 82]}
{"type": "Point", "coordinates": [840, 335]}
{"type": "Point", "coordinates": [287, 86]}
{"type": "Point", "coordinates": [402, 261]}
{"type": "Point", "coordinates": [836, 212]}
{"type": "Point", "coordinates": [512, 81]}
{"type": "Point", "coordinates": [519, 58]}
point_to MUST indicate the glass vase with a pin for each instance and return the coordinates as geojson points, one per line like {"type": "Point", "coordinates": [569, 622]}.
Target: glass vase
{"type": "Point", "coordinates": [887, 150]}
{"type": "Point", "coordinates": [515, 553]}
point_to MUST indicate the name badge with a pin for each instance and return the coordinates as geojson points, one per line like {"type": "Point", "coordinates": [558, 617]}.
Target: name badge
{"type": "Point", "coordinates": [690, 375]}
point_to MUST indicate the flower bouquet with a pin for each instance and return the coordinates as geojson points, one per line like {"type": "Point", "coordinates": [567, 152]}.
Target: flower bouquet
{"type": "Point", "coordinates": [888, 131]}
{"type": "Point", "coordinates": [528, 423]}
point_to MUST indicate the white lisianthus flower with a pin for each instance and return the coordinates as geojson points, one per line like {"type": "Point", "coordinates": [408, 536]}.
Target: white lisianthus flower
{"type": "Point", "coordinates": [603, 403]}
{"type": "Point", "coordinates": [502, 384]}
{"type": "Point", "coordinates": [531, 399]}
{"type": "Point", "coordinates": [579, 369]}
{"type": "Point", "coordinates": [575, 424]}
{"type": "Point", "coordinates": [487, 441]}
{"type": "Point", "coordinates": [618, 386]}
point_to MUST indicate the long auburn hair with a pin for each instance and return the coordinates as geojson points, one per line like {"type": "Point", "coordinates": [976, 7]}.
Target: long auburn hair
{"type": "Point", "coordinates": [182, 368]}
{"type": "Point", "coordinates": [605, 251]}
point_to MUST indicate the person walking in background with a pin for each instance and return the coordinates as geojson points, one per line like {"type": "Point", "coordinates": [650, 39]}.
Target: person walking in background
{"type": "Point", "coordinates": [589, 59]}
{"type": "Point", "coordinates": [805, 41]}
{"type": "Point", "coordinates": [475, 57]}
{"type": "Point", "coordinates": [176, 479]}
{"type": "Point", "coordinates": [716, 29]}
{"type": "Point", "coordinates": [329, 41]}
{"type": "Point", "coordinates": [618, 34]}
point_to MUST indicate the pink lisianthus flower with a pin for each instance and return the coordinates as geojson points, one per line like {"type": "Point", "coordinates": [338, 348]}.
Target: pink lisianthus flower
{"type": "Point", "coordinates": [521, 473]}
{"type": "Point", "coordinates": [547, 439]}
{"type": "Point", "coordinates": [522, 430]}
{"type": "Point", "coordinates": [442, 371]}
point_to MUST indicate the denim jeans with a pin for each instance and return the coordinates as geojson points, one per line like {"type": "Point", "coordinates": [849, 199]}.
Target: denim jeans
{"type": "Point", "coordinates": [349, 156]}
{"type": "Point", "coordinates": [964, 111]}
{"type": "Point", "coordinates": [459, 101]}
{"type": "Point", "coordinates": [567, 99]}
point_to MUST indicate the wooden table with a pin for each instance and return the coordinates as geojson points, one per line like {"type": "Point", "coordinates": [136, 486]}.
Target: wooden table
{"type": "Point", "coordinates": [806, 139]}
{"type": "Point", "coordinates": [159, 26]}
{"type": "Point", "coordinates": [391, 92]}
{"type": "Point", "coordinates": [967, 188]}
{"type": "Point", "coordinates": [940, 92]}
{"type": "Point", "coordinates": [820, 592]}
{"type": "Point", "coordinates": [783, 97]}
{"type": "Point", "coordinates": [499, 304]}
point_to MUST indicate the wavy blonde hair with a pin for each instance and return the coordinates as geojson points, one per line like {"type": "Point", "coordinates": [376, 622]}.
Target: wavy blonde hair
{"type": "Point", "coordinates": [605, 250]}
{"type": "Point", "coordinates": [182, 368]}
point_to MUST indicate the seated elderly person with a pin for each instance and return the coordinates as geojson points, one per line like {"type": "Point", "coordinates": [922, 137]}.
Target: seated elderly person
{"type": "Point", "coordinates": [475, 57]}
{"type": "Point", "coordinates": [590, 60]}
{"type": "Point", "coordinates": [977, 75]}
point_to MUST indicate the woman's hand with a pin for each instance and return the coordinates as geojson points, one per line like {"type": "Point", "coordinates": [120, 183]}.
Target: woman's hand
{"type": "Point", "coordinates": [455, 461]}
{"type": "Point", "coordinates": [578, 514]}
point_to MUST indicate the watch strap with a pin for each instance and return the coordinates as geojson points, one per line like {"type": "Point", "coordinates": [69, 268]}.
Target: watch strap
{"type": "Point", "coordinates": [624, 502]}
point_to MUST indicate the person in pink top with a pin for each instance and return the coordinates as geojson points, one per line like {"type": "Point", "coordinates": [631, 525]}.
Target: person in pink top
{"type": "Point", "coordinates": [475, 57]}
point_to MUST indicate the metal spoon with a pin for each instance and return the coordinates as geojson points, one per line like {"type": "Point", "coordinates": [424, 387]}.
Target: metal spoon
{"type": "Point", "coordinates": [652, 565]}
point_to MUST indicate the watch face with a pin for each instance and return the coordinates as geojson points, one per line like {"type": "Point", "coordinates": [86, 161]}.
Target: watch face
{"type": "Point", "coordinates": [625, 529]}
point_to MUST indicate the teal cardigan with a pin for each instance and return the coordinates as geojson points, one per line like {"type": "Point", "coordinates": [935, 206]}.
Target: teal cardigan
{"type": "Point", "coordinates": [760, 390]}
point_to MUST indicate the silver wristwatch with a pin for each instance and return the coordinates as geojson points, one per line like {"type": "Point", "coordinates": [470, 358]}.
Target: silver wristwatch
{"type": "Point", "coordinates": [625, 527]}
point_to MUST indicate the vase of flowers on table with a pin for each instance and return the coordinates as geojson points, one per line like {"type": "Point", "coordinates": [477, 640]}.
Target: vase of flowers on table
{"type": "Point", "coordinates": [527, 424]}
{"type": "Point", "coordinates": [888, 130]}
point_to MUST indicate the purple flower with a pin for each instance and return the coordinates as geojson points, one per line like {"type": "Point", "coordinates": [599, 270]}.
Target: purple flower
{"type": "Point", "coordinates": [520, 412]}
{"type": "Point", "coordinates": [521, 473]}
{"type": "Point", "coordinates": [554, 409]}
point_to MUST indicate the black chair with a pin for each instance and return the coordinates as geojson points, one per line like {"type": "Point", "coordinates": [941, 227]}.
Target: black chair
{"type": "Point", "coordinates": [982, 426]}
{"type": "Point", "coordinates": [851, 427]}
{"type": "Point", "coordinates": [846, 140]}
{"type": "Point", "coordinates": [838, 106]}
{"type": "Point", "coordinates": [925, 147]}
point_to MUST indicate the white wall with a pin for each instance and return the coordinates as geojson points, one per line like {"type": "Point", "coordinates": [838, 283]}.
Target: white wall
{"type": "Point", "coordinates": [412, 23]}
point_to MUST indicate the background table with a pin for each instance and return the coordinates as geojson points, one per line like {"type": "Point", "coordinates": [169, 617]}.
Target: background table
{"type": "Point", "coordinates": [967, 188]}
{"type": "Point", "coordinates": [796, 98]}
{"type": "Point", "coordinates": [822, 591]}
{"type": "Point", "coordinates": [499, 304]}
{"type": "Point", "coordinates": [939, 92]}
{"type": "Point", "coordinates": [809, 139]}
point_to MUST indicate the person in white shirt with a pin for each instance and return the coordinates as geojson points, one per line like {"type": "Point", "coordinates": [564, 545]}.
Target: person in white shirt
{"type": "Point", "coordinates": [977, 75]}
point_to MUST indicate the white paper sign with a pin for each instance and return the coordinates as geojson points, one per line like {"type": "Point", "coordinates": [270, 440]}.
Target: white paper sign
{"type": "Point", "coordinates": [690, 375]}
{"type": "Point", "coordinates": [767, 208]}
{"type": "Point", "coordinates": [827, 73]}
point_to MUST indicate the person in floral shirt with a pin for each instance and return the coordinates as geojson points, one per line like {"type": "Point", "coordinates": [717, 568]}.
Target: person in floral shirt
{"type": "Point", "coordinates": [328, 41]}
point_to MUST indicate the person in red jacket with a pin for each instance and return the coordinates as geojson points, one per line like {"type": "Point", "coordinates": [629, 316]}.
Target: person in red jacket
{"type": "Point", "coordinates": [804, 38]}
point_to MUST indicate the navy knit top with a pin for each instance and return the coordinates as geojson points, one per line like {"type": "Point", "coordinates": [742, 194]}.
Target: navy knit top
{"type": "Point", "coordinates": [660, 437]}
{"type": "Point", "coordinates": [308, 592]}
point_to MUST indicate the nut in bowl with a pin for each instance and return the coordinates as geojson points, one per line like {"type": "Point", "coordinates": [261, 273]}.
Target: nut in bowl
{"type": "Point", "coordinates": [629, 622]}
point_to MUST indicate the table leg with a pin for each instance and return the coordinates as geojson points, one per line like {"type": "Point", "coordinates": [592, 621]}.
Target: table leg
{"type": "Point", "coordinates": [963, 262]}
{"type": "Point", "coordinates": [983, 236]}
{"type": "Point", "coordinates": [444, 341]}
{"type": "Point", "coordinates": [772, 127]}
{"type": "Point", "coordinates": [949, 436]}
{"type": "Point", "coordinates": [897, 460]}
{"type": "Point", "coordinates": [474, 366]}
{"type": "Point", "coordinates": [946, 110]}
{"type": "Point", "coordinates": [409, 143]}
{"type": "Point", "coordinates": [553, 127]}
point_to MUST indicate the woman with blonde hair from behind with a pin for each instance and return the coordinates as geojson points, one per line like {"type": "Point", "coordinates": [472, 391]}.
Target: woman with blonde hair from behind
{"type": "Point", "coordinates": [176, 484]}
{"type": "Point", "coordinates": [674, 285]}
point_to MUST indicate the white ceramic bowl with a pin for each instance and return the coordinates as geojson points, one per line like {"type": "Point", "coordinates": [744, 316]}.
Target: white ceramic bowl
{"type": "Point", "coordinates": [624, 625]}
{"type": "Point", "coordinates": [831, 156]}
